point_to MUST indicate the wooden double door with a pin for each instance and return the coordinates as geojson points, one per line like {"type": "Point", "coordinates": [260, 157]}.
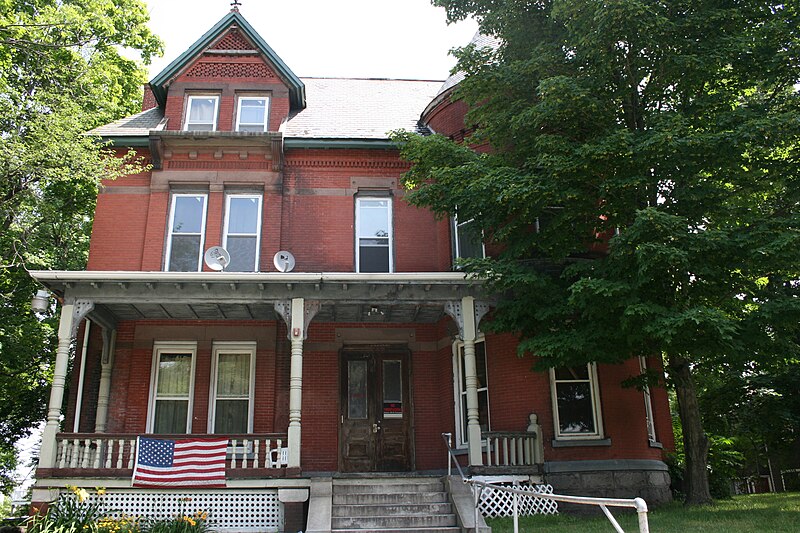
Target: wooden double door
{"type": "Point", "coordinates": [375, 434]}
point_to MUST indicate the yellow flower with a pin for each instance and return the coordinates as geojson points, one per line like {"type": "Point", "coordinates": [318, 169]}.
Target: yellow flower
{"type": "Point", "coordinates": [100, 490]}
{"type": "Point", "coordinates": [82, 495]}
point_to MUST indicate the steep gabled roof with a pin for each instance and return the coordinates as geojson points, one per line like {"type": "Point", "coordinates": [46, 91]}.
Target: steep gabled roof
{"type": "Point", "coordinates": [160, 83]}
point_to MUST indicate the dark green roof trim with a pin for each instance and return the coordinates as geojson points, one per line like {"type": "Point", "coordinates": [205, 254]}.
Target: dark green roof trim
{"type": "Point", "coordinates": [129, 140]}
{"type": "Point", "coordinates": [372, 144]}
{"type": "Point", "coordinates": [297, 90]}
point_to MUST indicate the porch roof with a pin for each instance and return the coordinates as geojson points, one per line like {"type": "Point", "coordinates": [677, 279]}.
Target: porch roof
{"type": "Point", "coordinates": [417, 297]}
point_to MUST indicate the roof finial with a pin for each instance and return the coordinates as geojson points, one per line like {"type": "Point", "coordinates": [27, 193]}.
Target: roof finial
{"type": "Point", "coordinates": [235, 5]}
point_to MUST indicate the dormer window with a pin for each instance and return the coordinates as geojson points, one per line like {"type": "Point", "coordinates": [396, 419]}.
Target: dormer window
{"type": "Point", "coordinates": [252, 113]}
{"type": "Point", "coordinates": [201, 113]}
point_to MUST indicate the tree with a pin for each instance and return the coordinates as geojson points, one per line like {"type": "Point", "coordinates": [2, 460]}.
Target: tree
{"type": "Point", "coordinates": [61, 74]}
{"type": "Point", "coordinates": [642, 182]}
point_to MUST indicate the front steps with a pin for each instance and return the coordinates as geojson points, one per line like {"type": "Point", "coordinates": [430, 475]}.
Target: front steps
{"type": "Point", "coordinates": [392, 505]}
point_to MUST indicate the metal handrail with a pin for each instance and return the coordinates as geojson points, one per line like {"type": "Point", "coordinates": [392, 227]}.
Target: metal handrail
{"type": "Point", "coordinates": [637, 503]}
{"type": "Point", "coordinates": [448, 440]}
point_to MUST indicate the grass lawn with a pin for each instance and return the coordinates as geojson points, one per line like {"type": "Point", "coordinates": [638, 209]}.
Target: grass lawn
{"type": "Point", "coordinates": [754, 513]}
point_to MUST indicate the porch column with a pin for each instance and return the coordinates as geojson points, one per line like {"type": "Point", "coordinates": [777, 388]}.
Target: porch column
{"type": "Point", "coordinates": [71, 314]}
{"type": "Point", "coordinates": [106, 365]}
{"type": "Point", "coordinates": [298, 315]}
{"type": "Point", "coordinates": [471, 378]}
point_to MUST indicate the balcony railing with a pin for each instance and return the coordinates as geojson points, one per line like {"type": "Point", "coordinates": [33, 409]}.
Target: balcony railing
{"type": "Point", "coordinates": [507, 448]}
{"type": "Point", "coordinates": [110, 451]}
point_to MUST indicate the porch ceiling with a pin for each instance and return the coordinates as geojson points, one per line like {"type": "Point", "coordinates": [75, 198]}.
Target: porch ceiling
{"type": "Point", "coordinates": [344, 297]}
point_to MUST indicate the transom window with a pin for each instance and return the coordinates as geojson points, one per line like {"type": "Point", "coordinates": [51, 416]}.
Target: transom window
{"type": "Point", "coordinates": [576, 402]}
{"type": "Point", "coordinates": [187, 222]}
{"type": "Point", "coordinates": [242, 231]}
{"type": "Point", "coordinates": [171, 388]}
{"type": "Point", "coordinates": [461, 390]}
{"type": "Point", "coordinates": [252, 113]}
{"type": "Point", "coordinates": [201, 113]}
{"type": "Point", "coordinates": [232, 388]}
{"type": "Point", "coordinates": [374, 235]}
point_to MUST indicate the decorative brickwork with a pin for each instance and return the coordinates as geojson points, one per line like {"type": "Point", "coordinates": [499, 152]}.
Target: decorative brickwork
{"type": "Point", "coordinates": [230, 70]}
{"type": "Point", "coordinates": [233, 41]}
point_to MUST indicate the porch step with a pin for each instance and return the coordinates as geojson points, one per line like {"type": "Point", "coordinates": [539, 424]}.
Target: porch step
{"type": "Point", "coordinates": [392, 505]}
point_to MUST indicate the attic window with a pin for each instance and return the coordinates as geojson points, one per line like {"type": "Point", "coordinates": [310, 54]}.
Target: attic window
{"type": "Point", "coordinates": [252, 113]}
{"type": "Point", "coordinates": [201, 113]}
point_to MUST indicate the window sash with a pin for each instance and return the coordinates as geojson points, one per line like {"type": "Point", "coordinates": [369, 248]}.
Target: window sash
{"type": "Point", "coordinates": [185, 240]}
{"type": "Point", "coordinates": [571, 388]}
{"type": "Point", "coordinates": [242, 237]}
{"type": "Point", "coordinates": [465, 244]}
{"type": "Point", "coordinates": [199, 117]}
{"type": "Point", "coordinates": [244, 107]}
{"type": "Point", "coordinates": [171, 389]}
{"type": "Point", "coordinates": [374, 235]}
{"type": "Point", "coordinates": [232, 388]}
{"type": "Point", "coordinates": [460, 389]}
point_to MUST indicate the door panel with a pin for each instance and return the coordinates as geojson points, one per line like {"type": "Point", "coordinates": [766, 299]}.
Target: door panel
{"type": "Point", "coordinates": [376, 414]}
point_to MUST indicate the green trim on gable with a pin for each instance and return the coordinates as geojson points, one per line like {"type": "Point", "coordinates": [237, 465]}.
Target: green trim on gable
{"type": "Point", "coordinates": [160, 83]}
{"type": "Point", "coordinates": [133, 141]}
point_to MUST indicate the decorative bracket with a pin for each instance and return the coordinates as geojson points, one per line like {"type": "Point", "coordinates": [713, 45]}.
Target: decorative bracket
{"type": "Point", "coordinates": [284, 310]}
{"type": "Point", "coordinates": [80, 309]}
{"type": "Point", "coordinates": [310, 310]}
{"type": "Point", "coordinates": [454, 309]}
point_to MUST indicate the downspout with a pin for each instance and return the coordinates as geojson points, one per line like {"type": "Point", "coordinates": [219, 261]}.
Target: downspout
{"type": "Point", "coordinates": [79, 399]}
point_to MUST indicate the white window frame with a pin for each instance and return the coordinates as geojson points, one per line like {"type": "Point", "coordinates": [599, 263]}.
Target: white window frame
{"type": "Point", "coordinates": [170, 228]}
{"type": "Point", "coordinates": [243, 98]}
{"type": "Point", "coordinates": [648, 405]}
{"type": "Point", "coordinates": [170, 347]}
{"type": "Point", "coordinates": [257, 234]}
{"type": "Point", "coordinates": [596, 408]}
{"type": "Point", "coordinates": [390, 208]}
{"type": "Point", "coordinates": [456, 242]}
{"type": "Point", "coordinates": [187, 112]}
{"type": "Point", "coordinates": [235, 348]}
{"type": "Point", "coordinates": [458, 378]}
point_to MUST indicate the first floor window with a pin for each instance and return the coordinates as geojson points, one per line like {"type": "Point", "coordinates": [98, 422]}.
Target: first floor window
{"type": "Point", "coordinates": [172, 385]}
{"type": "Point", "coordinates": [373, 235]}
{"type": "Point", "coordinates": [460, 388]}
{"type": "Point", "coordinates": [467, 240]}
{"type": "Point", "coordinates": [187, 221]}
{"type": "Point", "coordinates": [576, 401]}
{"type": "Point", "coordinates": [648, 405]}
{"type": "Point", "coordinates": [252, 113]}
{"type": "Point", "coordinates": [242, 231]}
{"type": "Point", "coordinates": [201, 113]}
{"type": "Point", "coordinates": [232, 388]}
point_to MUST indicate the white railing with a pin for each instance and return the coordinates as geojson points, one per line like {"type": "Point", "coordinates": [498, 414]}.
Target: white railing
{"type": "Point", "coordinates": [85, 451]}
{"type": "Point", "coordinates": [505, 448]}
{"type": "Point", "coordinates": [604, 503]}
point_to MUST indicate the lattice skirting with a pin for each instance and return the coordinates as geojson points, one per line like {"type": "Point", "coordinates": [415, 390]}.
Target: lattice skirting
{"type": "Point", "coordinates": [236, 511]}
{"type": "Point", "coordinates": [501, 503]}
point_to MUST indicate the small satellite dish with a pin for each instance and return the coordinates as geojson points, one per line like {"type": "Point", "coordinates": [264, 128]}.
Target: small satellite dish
{"type": "Point", "coordinates": [217, 258]}
{"type": "Point", "coordinates": [283, 261]}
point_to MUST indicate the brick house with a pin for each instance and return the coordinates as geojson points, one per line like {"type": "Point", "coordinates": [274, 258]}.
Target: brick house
{"type": "Point", "coordinates": [351, 354]}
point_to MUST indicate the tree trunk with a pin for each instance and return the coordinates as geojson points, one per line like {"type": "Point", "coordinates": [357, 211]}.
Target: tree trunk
{"type": "Point", "coordinates": [695, 442]}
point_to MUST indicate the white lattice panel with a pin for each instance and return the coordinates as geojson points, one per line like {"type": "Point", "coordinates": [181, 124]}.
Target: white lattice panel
{"type": "Point", "coordinates": [228, 510]}
{"type": "Point", "coordinates": [495, 502]}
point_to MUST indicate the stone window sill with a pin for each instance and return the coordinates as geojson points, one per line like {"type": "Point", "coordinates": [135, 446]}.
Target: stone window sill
{"type": "Point", "coordinates": [568, 443]}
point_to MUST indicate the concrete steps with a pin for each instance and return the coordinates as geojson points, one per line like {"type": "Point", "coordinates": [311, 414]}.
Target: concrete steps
{"type": "Point", "coordinates": [391, 505]}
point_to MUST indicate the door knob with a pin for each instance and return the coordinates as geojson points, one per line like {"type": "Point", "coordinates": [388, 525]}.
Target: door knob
{"type": "Point", "coordinates": [375, 428]}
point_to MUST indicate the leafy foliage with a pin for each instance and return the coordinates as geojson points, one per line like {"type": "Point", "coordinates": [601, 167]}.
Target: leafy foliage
{"type": "Point", "coordinates": [61, 74]}
{"type": "Point", "coordinates": [641, 183]}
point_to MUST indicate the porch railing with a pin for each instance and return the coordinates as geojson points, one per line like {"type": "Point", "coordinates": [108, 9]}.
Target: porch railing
{"type": "Point", "coordinates": [505, 448]}
{"type": "Point", "coordinates": [85, 451]}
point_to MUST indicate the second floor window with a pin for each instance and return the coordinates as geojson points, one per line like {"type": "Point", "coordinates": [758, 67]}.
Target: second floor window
{"type": "Point", "coordinates": [374, 235]}
{"type": "Point", "coordinates": [252, 113]}
{"type": "Point", "coordinates": [201, 113]}
{"type": "Point", "coordinates": [185, 240]}
{"type": "Point", "coordinates": [467, 240]}
{"type": "Point", "coordinates": [242, 231]}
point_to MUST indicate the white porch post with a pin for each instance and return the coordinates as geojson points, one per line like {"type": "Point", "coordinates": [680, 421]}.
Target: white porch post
{"type": "Point", "coordinates": [71, 315]}
{"type": "Point", "coordinates": [471, 378]}
{"type": "Point", "coordinates": [106, 365]}
{"type": "Point", "coordinates": [297, 314]}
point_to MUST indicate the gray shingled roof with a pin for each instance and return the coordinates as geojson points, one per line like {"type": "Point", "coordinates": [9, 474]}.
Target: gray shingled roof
{"type": "Point", "coordinates": [480, 41]}
{"type": "Point", "coordinates": [359, 108]}
{"type": "Point", "coordinates": [337, 108]}
{"type": "Point", "coordinates": [133, 126]}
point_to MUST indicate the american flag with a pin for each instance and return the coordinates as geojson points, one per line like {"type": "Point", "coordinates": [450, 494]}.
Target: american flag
{"type": "Point", "coordinates": [180, 463]}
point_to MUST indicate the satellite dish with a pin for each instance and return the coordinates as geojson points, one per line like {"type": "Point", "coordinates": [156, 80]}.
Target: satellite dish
{"type": "Point", "coordinates": [217, 258]}
{"type": "Point", "coordinates": [283, 261]}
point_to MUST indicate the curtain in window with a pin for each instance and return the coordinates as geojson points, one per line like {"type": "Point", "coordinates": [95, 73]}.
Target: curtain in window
{"type": "Point", "coordinates": [232, 411]}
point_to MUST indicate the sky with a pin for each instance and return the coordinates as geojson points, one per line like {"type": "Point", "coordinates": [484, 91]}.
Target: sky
{"type": "Point", "coordinates": [399, 39]}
